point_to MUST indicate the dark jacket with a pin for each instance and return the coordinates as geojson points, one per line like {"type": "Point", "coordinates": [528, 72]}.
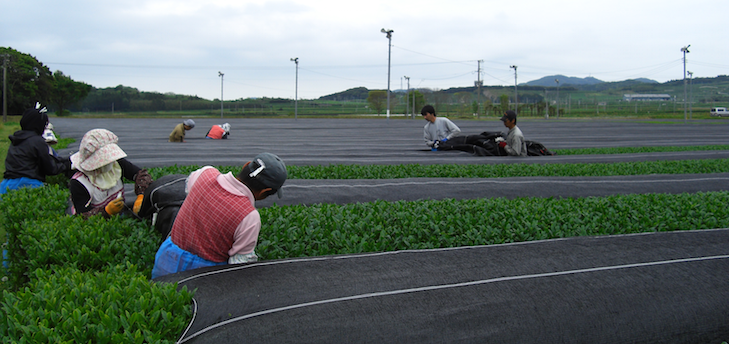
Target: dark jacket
{"type": "Point", "coordinates": [28, 156]}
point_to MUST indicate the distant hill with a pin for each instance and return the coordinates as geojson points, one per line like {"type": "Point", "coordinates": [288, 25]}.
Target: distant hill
{"type": "Point", "coordinates": [549, 81]}
{"type": "Point", "coordinates": [566, 83]}
{"type": "Point", "coordinates": [350, 94]}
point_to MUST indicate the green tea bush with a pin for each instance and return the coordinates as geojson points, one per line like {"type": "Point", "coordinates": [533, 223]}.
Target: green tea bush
{"type": "Point", "coordinates": [628, 150]}
{"type": "Point", "coordinates": [27, 205]}
{"type": "Point", "coordinates": [323, 229]}
{"type": "Point", "coordinates": [89, 245]}
{"type": "Point", "coordinates": [78, 280]}
{"type": "Point", "coordinates": [118, 305]}
{"type": "Point", "coordinates": [482, 170]}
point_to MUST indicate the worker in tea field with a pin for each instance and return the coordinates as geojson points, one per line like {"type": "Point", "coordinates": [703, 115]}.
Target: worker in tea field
{"type": "Point", "coordinates": [178, 134]}
{"type": "Point", "coordinates": [514, 144]}
{"type": "Point", "coordinates": [218, 132]}
{"type": "Point", "coordinates": [218, 223]}
{"type": "Point", "coordinates": [96, 185]}
{"type": "Point", "coordinates": [30, 159]}
{"type": "Point", "coordinates": [438, 130]}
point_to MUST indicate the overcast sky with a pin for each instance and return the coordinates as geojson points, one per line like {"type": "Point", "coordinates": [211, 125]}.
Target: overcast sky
{"type": "Point", "coordinates": [180, 46]}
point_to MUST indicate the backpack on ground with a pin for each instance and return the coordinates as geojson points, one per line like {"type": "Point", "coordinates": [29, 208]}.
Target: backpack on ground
{"type": "Point", "coordinates": [535, 148]}
{"type": "Point", "coordinates": [162, 200]}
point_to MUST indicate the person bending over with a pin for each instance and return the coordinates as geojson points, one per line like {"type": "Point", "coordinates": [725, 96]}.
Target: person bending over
{"type": "Point", "coordinates": [178, 134]}
{"type": "Point", "coordinates": [218, 223]}
{"type": "Point", "coordinates": [218, 132]}
{"type": "Point", "coordinates": [96, 186]}
{"type": "Point", "coordinates": [29, 159]}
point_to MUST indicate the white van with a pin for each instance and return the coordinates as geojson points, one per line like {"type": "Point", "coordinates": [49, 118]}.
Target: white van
{"type": "Point", "coordinates": [719, 111]}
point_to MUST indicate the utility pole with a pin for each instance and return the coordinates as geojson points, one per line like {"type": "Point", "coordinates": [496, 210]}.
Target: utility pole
{"type": "Point", "coordinates": [557, 110]}
{"type": "Point", "coordinates": [478, 86]}
{"type": "Point", "coordinates": [296, 99]}
{"type": "Point", "coordinates": [516, 100]}
{"type": "Point", "coordinates": [684, 50]}
{"type": "Point", "coordinates": [691, 94]}
{"type": "Point", "coordinates": [389, 53]}
{"type": "Point", "coordinates": [407, 101]}
{"type": "Point", "coordinates": [221, 93]}
{"type": "Point", "coordinates": [5, 87]}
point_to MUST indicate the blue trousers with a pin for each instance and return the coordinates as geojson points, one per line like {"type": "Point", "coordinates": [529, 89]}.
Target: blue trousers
{"type": "Point", "coordinates": [14, 184]}
{"type": "Point", "coordinates": [170, 258]}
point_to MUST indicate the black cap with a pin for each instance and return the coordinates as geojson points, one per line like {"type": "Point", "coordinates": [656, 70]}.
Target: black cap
{"type": "Point", "coordinates": [510, 115]}
{"type": "Point", "coordinates": [270, 171]}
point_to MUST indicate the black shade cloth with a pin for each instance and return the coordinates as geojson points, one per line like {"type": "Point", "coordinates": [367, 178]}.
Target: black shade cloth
{"type": "Point", "coordinates": [642, 288]}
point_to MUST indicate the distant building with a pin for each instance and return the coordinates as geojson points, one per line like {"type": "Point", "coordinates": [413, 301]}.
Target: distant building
{"type": "Point", "coordinates": [646, 97]}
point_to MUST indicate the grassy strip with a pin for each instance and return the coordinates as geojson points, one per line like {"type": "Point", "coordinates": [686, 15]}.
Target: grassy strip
{"type": "Point", "coordinates": [628, 150]}
{"type": "Point", "coordinates": [6, 129]}
{"type": "Point", "coordinates": [324, 229]}
{"type": "Point", "coordinates": [482, 171]}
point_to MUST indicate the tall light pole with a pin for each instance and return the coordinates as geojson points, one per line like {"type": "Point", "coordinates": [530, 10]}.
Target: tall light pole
{"type": "Point", "coordinates": [220, 74]}
{"type": "Point", "coordinates": [516, 100]}
{"type": "Point", "coordinates": [407, 101]}
{"type": "Point", "coordinates": [389, 50]}
{"type": "Point", "coordinates": [296, 99]}
{"type": "Point", "coordinates": [557, 110]}
{"type": "Point", "coordinates": [684, 50]}
{"type": "Point", "coordinates": [691, 94]}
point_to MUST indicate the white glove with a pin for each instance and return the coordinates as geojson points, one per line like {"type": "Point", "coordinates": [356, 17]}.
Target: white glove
{"type": "Point", "coordinates": [243, 258]}
{"type": "Point", "coordinates": [499, 139]}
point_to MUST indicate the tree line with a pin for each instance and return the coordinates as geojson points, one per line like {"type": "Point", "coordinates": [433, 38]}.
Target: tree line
{"type": "Point", "coordinates": [27, 81]}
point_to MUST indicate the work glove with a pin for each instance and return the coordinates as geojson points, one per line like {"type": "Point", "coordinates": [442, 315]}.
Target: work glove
{"type": "Point", "coordinates": [502, 144]}
{"type": "Point", "coordinates": [115, 207]}
{"type": "Point", "coordinates": [138, 204]}
{"type": "Point", "coordinates": [444, 140]}
{"type": "Point", "coordinates": [142, 181]}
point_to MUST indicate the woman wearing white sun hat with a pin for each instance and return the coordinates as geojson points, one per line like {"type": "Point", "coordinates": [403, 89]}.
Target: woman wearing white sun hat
{"type": "Point", "coordinates": [96, 186]}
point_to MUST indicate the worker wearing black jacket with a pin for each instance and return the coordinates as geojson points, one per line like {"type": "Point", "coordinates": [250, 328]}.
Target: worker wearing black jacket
{"type": "Point", "coordinates": [29, 160]}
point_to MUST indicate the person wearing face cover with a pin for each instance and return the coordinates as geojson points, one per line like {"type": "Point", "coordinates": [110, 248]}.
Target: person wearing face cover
{"type": "Point", "coordinates": [96, 185]}
{"type": "Point", "coordinates": [218, 132]}
{"type": "Point", "coordinates": [28, 161]}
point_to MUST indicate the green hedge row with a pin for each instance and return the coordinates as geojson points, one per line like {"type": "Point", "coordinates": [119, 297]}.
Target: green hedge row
{"type": "Point", "coordinates": [293, 231]}
{"type": "Point", "coordinates": [628, 150]}
{"type": "Point", "coordinates": [88, 281]}
{"type": "Point", "coordinates": [72, 280]}
{"type": "Point", "coordinates": [481, 170]}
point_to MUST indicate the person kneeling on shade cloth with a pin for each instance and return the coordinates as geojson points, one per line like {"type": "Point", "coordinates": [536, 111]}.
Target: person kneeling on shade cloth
{"type": "Point", "coordinates": [494, 143]}
{"type": "Point", "coordinates": [96, 186]}
{"type": "Point", "coordinates": [218, 223]}
{"type": "Point", "coordinates": [438, 130]}
{"type": "Point", "coordinates": [178, 134]}
{"type": "Point", "coordinates": [218, 132]}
